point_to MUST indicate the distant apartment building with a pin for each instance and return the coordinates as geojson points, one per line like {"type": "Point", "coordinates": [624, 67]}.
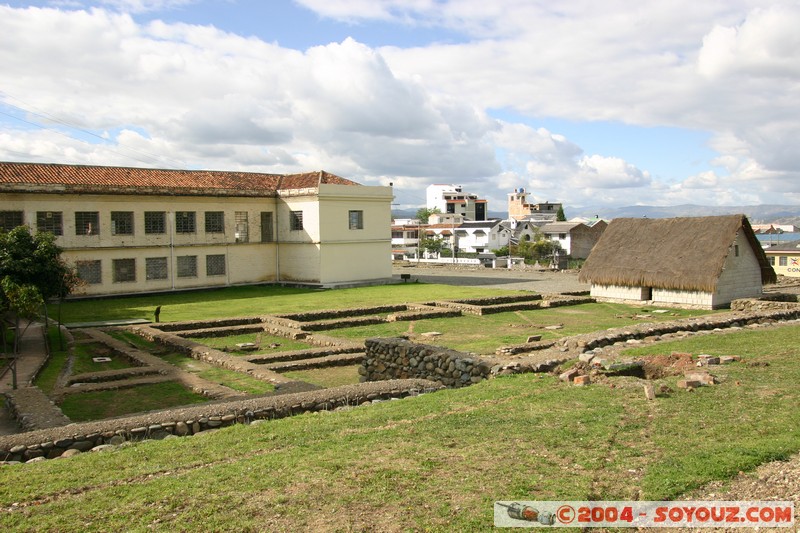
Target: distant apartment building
{"type": "Point", "coordinates": [130, 230]}
{"type": "Point", "coordinates": [451, 199]}
{"type": "Point", "coordinates": [520, 209]}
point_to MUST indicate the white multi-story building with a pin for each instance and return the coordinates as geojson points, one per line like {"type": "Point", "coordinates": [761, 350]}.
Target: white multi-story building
{"type": "Point", "coordinates": [451, 199]}
{"type": "Point", "coordinates": [129, 230]}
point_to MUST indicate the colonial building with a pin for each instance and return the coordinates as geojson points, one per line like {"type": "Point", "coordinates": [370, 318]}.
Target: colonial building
{"type": "Point", "coordinates": [699, 262]}
{"type": "Point", "coordinates": [129, 230]}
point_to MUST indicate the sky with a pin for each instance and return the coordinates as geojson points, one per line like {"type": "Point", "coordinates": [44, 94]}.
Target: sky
{"type": "Point", "coordinates": [612, 103]}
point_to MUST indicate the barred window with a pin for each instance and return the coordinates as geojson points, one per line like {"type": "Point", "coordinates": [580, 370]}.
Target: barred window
{"type": "Point", "coordinates": [10, 220]}
{"type": "Point", "coordinates": [89, 271]}
{"type": "Point", "coordinates": [155, 268]}
{"type": "Point", "coordinates": [124, 270]}
{"type": "Point", "coordinates": [215, 222]}
{"type": "Point", "coordinates": [267, 230]}
{"type": "Point", "coordinates": [296, 220]}
{"type": "Point", "coordinates": [242, 227]}
{"type": "Point", "coordinates": [155, 222]}
{"type": "Point", "coordinates": [356, 219]}
{"type": "Point", "coordinates": [87, 223]}
{"type": "Point", "coordinates": [185, 222]}
{"type": "Point", "coordinates": [187, 266]}
{"type": "Point", "coordinates": [771, 260]}
{"type": "Point", "coordinates": [51, 221]}
{"type": "Point", "coordinates": [215, 265]}
{"type": "Point", "coordinates": [122, 222]}
{"type": "Point", "coordinates": [783, 260]}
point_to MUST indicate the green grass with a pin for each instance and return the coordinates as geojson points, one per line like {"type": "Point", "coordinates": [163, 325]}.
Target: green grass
{"type": "Point", "coordinates": [436, 462]}
{"type": "Point", "coordinates": [229, 378]}
{"type": "Point", "coordinates": [48, 375]}
{"type": "Point", "coordinates": [259, 300]}
{"type": "Point", "coordinates": [334, 376]}
{"type": "Point", "coordinates": [265, 340]}
{"type": "Point", "coordinates": [484, 334]}
{"type": "Point", "coordinates": [83, 354]}
{"type": "Point", "coordinates": [104, 404]}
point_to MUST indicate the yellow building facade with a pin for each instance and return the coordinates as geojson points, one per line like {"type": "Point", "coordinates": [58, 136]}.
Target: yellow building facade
{"type": "Point", "coordinates": [143, 230]}
{"type": "Point", "coordinates": [785, 258]}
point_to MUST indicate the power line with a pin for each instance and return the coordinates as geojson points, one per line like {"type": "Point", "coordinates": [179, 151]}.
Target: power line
{"type": "Point", "coordinates": [152, 158]}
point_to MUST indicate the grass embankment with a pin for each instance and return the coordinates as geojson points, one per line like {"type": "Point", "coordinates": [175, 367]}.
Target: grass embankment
{"type": "Point", "coordinates": [436, 462]}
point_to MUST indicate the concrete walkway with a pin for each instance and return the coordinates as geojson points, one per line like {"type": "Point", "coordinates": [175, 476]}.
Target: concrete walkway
{"type": "Point", "coordinates": [32, 356]}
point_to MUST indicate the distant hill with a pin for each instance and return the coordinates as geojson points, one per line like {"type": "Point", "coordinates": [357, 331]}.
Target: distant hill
{"type": "Point", "coordinates": [758, 214]}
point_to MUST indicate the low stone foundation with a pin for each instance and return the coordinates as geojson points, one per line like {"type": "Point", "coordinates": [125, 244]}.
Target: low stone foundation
{"type": "Point", "coordinates": [772, 302]}
{"type": "Point", "coordinates": [55, 442]}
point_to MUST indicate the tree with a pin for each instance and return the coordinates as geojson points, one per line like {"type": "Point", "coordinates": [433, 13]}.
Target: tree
{"type": "Point", "coordinates": [31, 272]}
{"type": "Point", "coordinates": [424, 213]}
{"type": "Point", "coordinates": [432, 245]}
{"type": "Point", "coordinates": [560, 216]}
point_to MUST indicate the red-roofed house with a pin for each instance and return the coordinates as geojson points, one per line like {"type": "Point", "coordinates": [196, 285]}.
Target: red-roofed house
{"type": "Point", "coordinates": [133, 230]}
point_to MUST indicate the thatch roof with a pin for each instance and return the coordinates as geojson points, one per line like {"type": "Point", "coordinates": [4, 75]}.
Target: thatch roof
{"type": "Point", "coordinates": [670, 253]}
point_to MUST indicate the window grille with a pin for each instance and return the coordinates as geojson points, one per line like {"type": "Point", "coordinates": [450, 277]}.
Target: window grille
{"type": "Point", "coordinates": [10, 220]}
{"type": "Point", "coordinates": [242, 227]}
{"type": "Point", "coordinates": [215, 222]}
{"type": "Point", "coordinates": [124, 270]}
{"type": "Point", "coordinates": [51, 221]}
{"type": "Point", "coordinates": [122, 222]}
{"type": "Point", "coordinates": [155, 268]}
{"type": "Point", "coordinates": [215, 265]}
{"type": "Point", "coordinates": [356, 219]}
{"type": "Point", "coordinates": [89, 271]}
{"type": "Point", "coordinates": [155, 222]}
{"type": "Point", "coordinates": [87, 223]}
{"type": "Point", "coordinates": [296, 220]}
{"type": "Point", "coordinates": [187, 266]}
{"type": "Point", "coordinates": [185, 222]}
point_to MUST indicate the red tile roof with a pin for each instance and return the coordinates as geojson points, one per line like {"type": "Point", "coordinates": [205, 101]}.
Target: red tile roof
{"type": "Point", "coordinates": [119, 180]}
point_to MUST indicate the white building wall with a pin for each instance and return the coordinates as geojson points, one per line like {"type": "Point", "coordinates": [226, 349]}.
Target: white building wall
{"type": "Point", "coordinates": [741, 275]}
{"type": "Point", "coordinates": [617, 292]}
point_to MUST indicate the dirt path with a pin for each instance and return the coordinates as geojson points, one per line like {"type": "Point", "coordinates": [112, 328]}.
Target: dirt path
{"type": "Point", "coordinates": [499, 278]}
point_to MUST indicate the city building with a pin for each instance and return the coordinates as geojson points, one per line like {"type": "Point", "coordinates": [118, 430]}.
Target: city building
{"type": "Point", "coordinates": [520, 209]}
{"type": "Point", "coordinates": [785, 258]}
{"type": "Point", "coordinates": [451, 199]}
{"type": "Point", "coordinates": [132, 230]}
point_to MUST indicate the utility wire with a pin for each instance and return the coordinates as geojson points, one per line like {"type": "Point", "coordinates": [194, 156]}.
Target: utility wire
{"type": "Point", "coordinates": [152, 158]}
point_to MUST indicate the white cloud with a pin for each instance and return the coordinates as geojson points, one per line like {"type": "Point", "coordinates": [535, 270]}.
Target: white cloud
{"type": "Point", "coordinates": [203, 97]}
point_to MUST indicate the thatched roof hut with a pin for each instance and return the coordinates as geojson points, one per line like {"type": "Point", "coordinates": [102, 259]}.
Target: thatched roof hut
{"type": "Point", "coordinates": [686, 254]}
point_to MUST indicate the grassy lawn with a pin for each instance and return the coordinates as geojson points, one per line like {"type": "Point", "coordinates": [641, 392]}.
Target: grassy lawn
{"type": "Point", "coordinates": [48, 375]}
{"type": "Point", "coordinates": [104, 404]}
{"type": "Point", "coordinates": [335, 376]}
{"type": "Point", "coordinates": [266, 341]}
{"type": "Point", "coordinates": [260, 300]}
{"type": "Point", "coordinates": [229, 378]}
{"type": "Point", "coordinates": [436, 462]}
{"type": "Point", "coordinates": [83, 355]}
{"type": "Point", "coordinates": [484, 334]}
